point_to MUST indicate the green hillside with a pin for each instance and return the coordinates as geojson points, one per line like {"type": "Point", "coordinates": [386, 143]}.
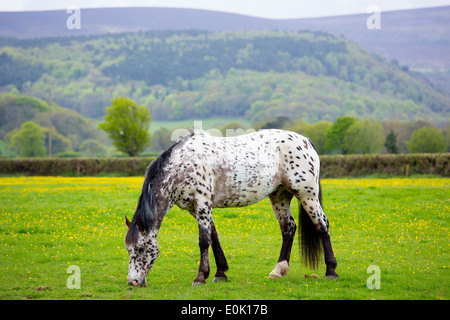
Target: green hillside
{"type": "Point", "coordinates": [255, 75]}
{"type": "Point", "coordinates": [16, 109]}
{"type": "Point", "coordinates": [70, 129]}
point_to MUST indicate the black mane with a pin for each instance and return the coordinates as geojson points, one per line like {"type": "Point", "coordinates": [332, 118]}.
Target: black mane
{"type": "Point", "coordinates": [146, 211]}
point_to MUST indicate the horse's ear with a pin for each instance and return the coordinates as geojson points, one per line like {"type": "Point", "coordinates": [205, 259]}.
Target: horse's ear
{"type": "Point", "coordinates": [127, 222]}
{"type": "Point", "coordinates": [140, 224]}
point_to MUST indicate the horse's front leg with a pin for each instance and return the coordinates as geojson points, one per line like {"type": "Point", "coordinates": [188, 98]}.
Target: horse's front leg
{"type": "Point", "coordinates": [203, 215]}
{"type": "Point", "coordinates": [221, 261]}
{"type": "Point", "coordinates": [204, 243]}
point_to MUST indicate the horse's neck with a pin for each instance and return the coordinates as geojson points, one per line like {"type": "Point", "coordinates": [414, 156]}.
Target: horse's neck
{"type": "Point", "coordinates": [164, 202]}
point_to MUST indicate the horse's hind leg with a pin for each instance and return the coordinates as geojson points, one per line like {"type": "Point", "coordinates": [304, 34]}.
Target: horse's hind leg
{"type": "Point", "coordinates": [281, 201]}
{"type": "Point", "coordinates": [318, 231]}
{"type": "Point", "coordinates": [203, 215]}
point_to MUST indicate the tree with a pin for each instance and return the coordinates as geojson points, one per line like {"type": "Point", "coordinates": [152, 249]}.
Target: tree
{"type": "Point", "coordinates": [365, 136]}
{"type": "Point", "coordinates": [72, 125]}
{"type": "Point", "coordinates": [390, 143]}
{"type": "Point", "coordinates": [278, 123]}
{"type": "Point", "coordinates": [60, 143]}
{"type": "Point", "coordinates": [316, 132]}
{"type": "Point", "coordinates": [92, 148]}
{"type": "Point", "coordinates": [29, 140]}
{"type": "Point", "coordinates": [427, 139]}
{"type": "Point", "coordinates": [335, 135]}
{"type": "Point", "coordinates": [161, 139]}
{"type": "Point", "coordinates": [127, 125]}
{"type": "Point", "coordinates": [446, 133]}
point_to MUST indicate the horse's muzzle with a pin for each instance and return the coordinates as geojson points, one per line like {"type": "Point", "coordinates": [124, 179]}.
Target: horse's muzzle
{"type": "Point", "coordinates": [136, 282]}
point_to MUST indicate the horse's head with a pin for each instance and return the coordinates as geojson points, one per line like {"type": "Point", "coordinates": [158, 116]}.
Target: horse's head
{"type": "Point", "coordinates": [142, 246]}
{"type": "Point", "coordinates": [141, 239]}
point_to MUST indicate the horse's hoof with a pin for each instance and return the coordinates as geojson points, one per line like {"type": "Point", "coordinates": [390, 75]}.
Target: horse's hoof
{"type": "Point", "coordinates": [332, 277]}
{"type": "Point", "coordinates": [281, 269]}
{"type": "Point", "coordinates": [273, 275]}
{"type": "Point", "coordinates": [198, 283]}
{"type": "Point", "coordinates": [219, 279]}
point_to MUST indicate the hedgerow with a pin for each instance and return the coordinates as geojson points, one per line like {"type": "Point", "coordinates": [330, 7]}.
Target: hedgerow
{"type": "Point", "coordinates": [331, 166]}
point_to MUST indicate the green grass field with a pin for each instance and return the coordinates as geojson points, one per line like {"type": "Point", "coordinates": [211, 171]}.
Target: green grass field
{"type": "Point", "coordinates": [47, 224]}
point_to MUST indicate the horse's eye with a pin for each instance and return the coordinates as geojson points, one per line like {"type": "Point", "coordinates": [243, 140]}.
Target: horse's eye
{"type": "Point", "coordinates": [141, 250]}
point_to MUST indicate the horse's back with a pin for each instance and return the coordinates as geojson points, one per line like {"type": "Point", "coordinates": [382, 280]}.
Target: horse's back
{"type": "Point", "coordinates": [246, 169]}
{"type": "Point", "coordinates": [242, 170]}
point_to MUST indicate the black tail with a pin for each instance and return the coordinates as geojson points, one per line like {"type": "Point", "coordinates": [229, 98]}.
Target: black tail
{"type": "Point", "coordinates": [309, 238]}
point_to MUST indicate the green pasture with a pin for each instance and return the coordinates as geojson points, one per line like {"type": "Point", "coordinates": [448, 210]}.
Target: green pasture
{"type": "Point", "coordinates": [48, 224]}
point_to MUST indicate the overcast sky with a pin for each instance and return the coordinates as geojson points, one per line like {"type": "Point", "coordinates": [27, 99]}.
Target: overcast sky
{"type": "Point", "coordinates": [276, 9]}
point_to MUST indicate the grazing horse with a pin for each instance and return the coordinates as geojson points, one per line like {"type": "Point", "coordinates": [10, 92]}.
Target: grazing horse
{"type": "Point", "coordinates": [201, 172]}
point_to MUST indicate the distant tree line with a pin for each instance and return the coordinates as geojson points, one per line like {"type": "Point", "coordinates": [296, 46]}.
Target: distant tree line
{"type": "Point", "coordinates": [348, 135]}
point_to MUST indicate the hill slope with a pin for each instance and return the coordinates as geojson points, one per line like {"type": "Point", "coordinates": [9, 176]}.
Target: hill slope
{"type": "Point", "coordinates": [418, 38]}
{"type": "Point", "coordinates": [251, 74]}
{"type": "Point", "coordinates": [15, 109]}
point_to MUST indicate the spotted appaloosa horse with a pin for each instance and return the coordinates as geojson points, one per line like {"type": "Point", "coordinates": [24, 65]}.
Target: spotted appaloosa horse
{"type": "Point", "coordinates": [201, 172]}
